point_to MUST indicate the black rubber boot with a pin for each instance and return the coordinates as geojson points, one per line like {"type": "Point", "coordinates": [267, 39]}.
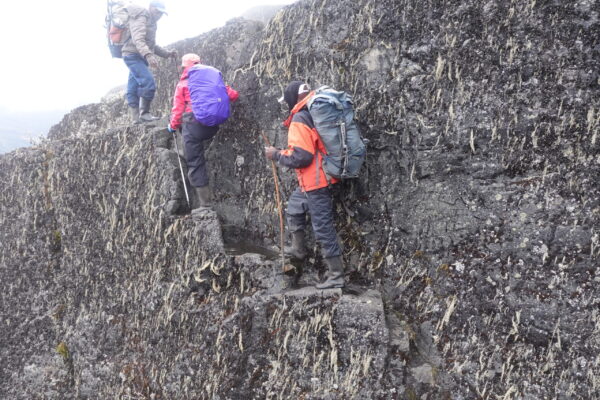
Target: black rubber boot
{"type": "Point", "coordinates": [204, 202]}
{"type": "Point", "coordinates": [145, 115]}
{"type": "Point", "coordinates": [204, 196]}
{"type": "Point", "coordinates": [335, 274]}
{"type": "Point", "coordinates": [298, 248]}
{"type": "Point", "coordinates": [134, 115]}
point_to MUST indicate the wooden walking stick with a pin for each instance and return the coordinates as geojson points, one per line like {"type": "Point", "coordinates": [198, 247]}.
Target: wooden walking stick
{"type": "Point", "coordinates": [278, 199]}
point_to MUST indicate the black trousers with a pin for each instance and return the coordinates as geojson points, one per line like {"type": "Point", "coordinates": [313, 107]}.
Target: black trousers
{"type": "Point", "coordinates": [194, 137]}
{"type": "Point", "coordinates": [320, 206]}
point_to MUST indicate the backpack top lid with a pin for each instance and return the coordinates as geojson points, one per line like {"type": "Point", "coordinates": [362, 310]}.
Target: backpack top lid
{"type": "Point", "coordinates": [205, 72]}
{"type": "Point", "coordinates": [330, 95]}
{"type": "Point", "coordinates": [118, 14]}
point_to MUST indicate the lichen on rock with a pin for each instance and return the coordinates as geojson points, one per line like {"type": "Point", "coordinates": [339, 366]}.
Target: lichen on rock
{"type": "Point", "coordinates": [471, 238]}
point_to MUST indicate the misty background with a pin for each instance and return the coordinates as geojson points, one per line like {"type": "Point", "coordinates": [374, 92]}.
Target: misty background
{"type": "Point", "coordinates": [59, 59]}
{"type": "Point", "coordinates": [21, 128]}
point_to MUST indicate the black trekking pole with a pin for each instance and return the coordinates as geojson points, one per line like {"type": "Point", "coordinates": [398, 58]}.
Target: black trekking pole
{"type": "Point", "coordinates": [187, 196]}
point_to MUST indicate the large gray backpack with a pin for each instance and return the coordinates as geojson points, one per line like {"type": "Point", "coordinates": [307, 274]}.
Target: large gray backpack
{"type": "Point", "coordinates": [333, 114]}
{"type": "Point", "coordinates": [117, 32]}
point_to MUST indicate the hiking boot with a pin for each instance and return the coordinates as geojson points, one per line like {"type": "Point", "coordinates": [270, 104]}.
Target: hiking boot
{"type": "Point", "coordinates": [202, 206]}
{"type": "Point", "coordinates": [291, 274]}
{"type": "Point", "coordinates": [298, 248]}
{"type": "Point", "coordinates": [201, 213]}
{"type": "Point", "coordinates": [335, 274]}
{"type": "Point", "coordinates": [204, 196]}
{"type": "Point", "coordinates": [134, 115]}
{"type": "Point", "coordinates": [145, 115]}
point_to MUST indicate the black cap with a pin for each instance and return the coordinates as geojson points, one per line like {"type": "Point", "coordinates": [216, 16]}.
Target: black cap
{"type": "Point", "coordinates": [291, 92]}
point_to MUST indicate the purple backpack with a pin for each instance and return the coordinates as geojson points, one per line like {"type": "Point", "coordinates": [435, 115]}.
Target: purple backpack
{"type": "Point", "coordinates": [210, 102]}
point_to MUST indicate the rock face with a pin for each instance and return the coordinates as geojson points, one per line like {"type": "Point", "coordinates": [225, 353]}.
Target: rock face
{"type": "Point", "coordinates": [471, 240]}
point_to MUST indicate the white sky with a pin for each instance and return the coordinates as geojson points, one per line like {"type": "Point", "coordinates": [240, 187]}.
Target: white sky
{"type": "Point", "coordinates": [55, 56]}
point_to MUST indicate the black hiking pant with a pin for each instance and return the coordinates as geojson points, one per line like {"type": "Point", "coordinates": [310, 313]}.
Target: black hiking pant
{"type": "Point", "coordinates": [318, 203]}
{"type": "Point", "coordinates": [194, 137]}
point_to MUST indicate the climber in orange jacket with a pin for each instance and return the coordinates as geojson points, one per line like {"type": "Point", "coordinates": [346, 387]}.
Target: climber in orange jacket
{"type": "Point", "coordinates": [194, 133]}
{"type": "Point", "coordinates": [305, 154]}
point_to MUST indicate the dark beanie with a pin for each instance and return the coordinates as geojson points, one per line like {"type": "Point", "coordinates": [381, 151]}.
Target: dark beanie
{"type": "Point", "coordinates": [290, 94]}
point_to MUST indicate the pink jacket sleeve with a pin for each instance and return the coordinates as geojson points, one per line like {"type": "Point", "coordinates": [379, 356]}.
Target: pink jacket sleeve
{"type": "Point", "coordinates": [178, 106]}
{"type": "Point", "coordinates": [233, 94]}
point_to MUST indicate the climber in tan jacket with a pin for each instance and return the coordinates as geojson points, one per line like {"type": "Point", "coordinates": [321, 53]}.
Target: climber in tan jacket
{"type": "Point", "coordinates": [140, 52]}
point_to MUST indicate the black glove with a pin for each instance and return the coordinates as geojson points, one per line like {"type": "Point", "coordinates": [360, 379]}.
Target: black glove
{"type": "Point", "coordinates": [152, 60]}
{"type": "Point", "coordinates": [270, 152]}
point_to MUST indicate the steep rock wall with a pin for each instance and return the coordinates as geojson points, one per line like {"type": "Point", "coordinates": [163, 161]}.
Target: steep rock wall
{"type": "Point", "coordinates": [476, 219]}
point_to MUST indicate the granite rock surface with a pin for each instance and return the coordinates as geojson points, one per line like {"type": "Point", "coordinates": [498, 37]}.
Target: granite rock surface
{"type": "Point", "coordinates": [472, 237]}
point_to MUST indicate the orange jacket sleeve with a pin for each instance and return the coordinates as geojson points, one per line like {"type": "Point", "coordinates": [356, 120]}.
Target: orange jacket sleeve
{"type": "Point", "coordinates": [301, 149]}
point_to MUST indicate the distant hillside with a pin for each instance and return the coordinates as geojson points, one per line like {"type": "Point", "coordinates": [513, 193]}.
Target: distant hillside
{"type": "Point", "coordinates": [18, 128]}
{"type": "Point", "coordinates": [10, 140]}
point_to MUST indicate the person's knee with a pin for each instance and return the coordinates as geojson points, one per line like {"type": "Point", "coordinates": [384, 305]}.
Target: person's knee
{"type": "Point", "coordinates": [194, 153]}
{"type": "Point", "coordinates": [199, 179]}
{"type": "Point", "coordinates": [147, 92]}
{"type": "Point", "coordinates": [295, 208]}
{"type": "Point", "coordinates": [195, 162]}
{"type": "Point", "coordinates": [146, 81]}
{"type": "Point", "coordinates": [329, 243]}
{"type": "Point", "coordinates": [132, 99]}
{"type": "Point", "coordinates": [322, 220]}
{"type": "Point", "coordinates": [296, 222]}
